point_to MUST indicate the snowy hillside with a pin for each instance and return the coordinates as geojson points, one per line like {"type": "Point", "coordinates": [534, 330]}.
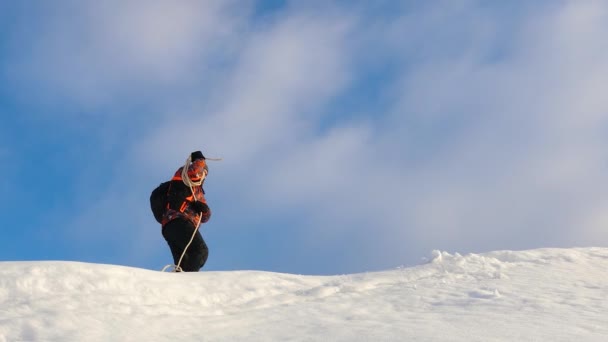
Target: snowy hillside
{"type": "Point", "coordinates": [537, 295]}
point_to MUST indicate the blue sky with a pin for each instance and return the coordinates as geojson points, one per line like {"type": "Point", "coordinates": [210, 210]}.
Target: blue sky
{"type": "Point", "coordinates": [355, 136]}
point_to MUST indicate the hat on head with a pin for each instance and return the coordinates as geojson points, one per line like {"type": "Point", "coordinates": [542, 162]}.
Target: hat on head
{"type": "Point", "coordinates": [196, 155]}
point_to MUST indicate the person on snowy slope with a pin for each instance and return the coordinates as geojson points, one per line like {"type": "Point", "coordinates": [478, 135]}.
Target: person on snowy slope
{"type": "Point", "coordinates": [186, 210]}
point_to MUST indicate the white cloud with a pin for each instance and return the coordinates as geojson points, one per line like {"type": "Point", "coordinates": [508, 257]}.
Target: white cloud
{"type": "Point", "coordinates": [520, 156]}
{"type": "Point", "coordinates": [94, 53]}
{"type": "Point", "coordinates": [285, 72]}
{"type": "Point", "coordinates": [591, 225]}
{"type": "Point", "coordinates": [485, 144]}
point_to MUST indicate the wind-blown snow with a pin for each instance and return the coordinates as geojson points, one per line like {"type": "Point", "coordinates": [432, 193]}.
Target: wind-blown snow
{"type": "Point", "coordinates": [537, 295]}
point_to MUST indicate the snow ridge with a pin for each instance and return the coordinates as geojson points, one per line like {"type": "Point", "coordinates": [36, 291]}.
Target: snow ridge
{"type": "Point", "coordinates": [536, 295]}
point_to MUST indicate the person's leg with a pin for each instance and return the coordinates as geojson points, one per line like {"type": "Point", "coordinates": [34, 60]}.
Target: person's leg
{"type": "Point", "coordinates": [197, 254]}
{"type": "Point", "coordinates": [177, 233]}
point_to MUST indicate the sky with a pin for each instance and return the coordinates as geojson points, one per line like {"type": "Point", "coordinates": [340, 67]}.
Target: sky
{"type": "Point", "coordinates": [355, 136]}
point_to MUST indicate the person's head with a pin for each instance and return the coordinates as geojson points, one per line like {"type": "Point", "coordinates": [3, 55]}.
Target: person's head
{"type": "Point", "coordinates": [197, 170]}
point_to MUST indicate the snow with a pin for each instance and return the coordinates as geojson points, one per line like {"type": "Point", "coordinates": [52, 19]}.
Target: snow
{"type": "Point", "coordinates": [536, 295]}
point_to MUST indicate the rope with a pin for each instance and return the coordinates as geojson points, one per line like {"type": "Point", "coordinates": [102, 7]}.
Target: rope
{"type": "Point", "coordinates": [198, 224]}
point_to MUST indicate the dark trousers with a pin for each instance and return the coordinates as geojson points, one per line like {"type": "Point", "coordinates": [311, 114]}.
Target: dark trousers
{"type": "Point", "coordinates": [178, 233]}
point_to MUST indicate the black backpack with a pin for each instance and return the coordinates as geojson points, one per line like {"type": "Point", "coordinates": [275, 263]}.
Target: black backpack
{"type": "Point", "coordinates": [159, 199]}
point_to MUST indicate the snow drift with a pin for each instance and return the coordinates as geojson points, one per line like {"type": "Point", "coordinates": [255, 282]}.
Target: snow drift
{"type": "Point", "coordinates": [537, 295]}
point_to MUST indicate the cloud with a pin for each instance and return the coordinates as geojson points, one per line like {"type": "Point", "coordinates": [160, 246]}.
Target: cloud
{"type": "Point", "coordinates": [515, 155]}
{"type": "Point", "coordinates": [285, 72]}
{"type": "Point", "coordinates": [99, 53]}
{"type": "Point", "coordinates": [475, 127]}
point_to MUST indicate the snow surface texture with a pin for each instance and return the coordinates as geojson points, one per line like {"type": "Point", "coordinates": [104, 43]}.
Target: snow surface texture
{"type": "Point", "coordinates": [537, 295]}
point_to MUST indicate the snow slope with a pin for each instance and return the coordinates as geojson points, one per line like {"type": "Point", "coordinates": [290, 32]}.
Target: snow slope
{"type": "Point", "coordinates": [537, 295]}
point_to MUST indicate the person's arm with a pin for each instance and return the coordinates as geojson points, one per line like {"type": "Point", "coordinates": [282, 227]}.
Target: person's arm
{"type": "Point", "coordinates": [201, 208]}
